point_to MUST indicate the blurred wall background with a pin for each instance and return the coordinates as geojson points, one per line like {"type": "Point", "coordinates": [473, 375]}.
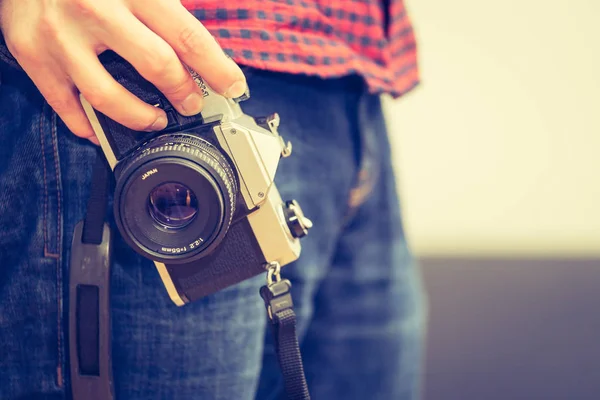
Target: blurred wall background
{"type": "Point", "coordinates": [497, 154]}
{"type": "Point", "coordinates": [497, 150]}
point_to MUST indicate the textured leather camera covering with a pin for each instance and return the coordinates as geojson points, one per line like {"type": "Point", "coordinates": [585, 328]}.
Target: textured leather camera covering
{"type": "Point", "coordinates": [237, 258]}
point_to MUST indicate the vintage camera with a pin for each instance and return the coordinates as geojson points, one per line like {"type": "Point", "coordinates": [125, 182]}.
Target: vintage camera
{"type": "Point", "coordinates": [198, 197]}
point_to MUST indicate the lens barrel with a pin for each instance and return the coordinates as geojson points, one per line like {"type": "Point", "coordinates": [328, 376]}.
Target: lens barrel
{"type": "Point", "coordinates": [175, 198]}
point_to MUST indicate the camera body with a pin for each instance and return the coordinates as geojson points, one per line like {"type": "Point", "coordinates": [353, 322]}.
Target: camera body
{"type": "Point", "coordinates": [198, 198]}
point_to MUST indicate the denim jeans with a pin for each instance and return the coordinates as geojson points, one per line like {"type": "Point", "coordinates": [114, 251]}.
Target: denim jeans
{"type": "Point", "coordinates": [357, 289]}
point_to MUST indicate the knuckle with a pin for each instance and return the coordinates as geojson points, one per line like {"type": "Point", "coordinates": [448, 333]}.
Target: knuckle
{"type": "Point", "coordinates": [21, 47]}
{"type": "Point", "coordinates": [164, 68]}
{"type": "Point", "coordinates": [96, 94]}
{"type": "Point", "coordinates": [158, 62]}
{"type": "Point", "coordinates": [178, 88]}
{"type": "Point", "coordinates": [84, 8]}
{"type": "Point", "coordinates": [190, 40]}
{"type": "Point", "coordinates": [88, 10]}
{"type": "Point", "coordinates": [80, 128]}
{"type": "Point", "coordinates": [48, 26]}
{"type": "Point", "coordinates": [61, 104]}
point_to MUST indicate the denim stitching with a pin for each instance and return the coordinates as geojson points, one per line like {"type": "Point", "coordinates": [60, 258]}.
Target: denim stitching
{"type": "Point", "coordinates": [59, 286]}
{"type": "Point", "coordinates": [47, 253]}
{"type": "Point", "coordinates": [45, 183]}
{"type": "Point", "coordinates": [58, 191]}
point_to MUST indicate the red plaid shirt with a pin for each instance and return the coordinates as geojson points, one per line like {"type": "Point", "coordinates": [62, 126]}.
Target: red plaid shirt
{"type": "Point", "coordinates": [328, 38]}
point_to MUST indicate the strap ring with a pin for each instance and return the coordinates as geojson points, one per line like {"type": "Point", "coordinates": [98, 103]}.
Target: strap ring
{"type": "Point", "coordinates": [273, 270]}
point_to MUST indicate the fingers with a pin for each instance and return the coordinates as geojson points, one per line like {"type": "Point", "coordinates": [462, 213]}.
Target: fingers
{"type": "Point", "coordinates": [60, 56]}
{"type": "Point", "coordinates": [98, 87]}
{"type": "Point", "coordinates": [156, 61]}
{"type": "Point", "coordinates": [109, 97]}
{"type": "Point", "coordinates": [194, 45]}
{"type": "Point", "coordinates": [61, 95]}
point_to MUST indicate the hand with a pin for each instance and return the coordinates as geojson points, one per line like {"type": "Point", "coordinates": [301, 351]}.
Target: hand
{"type": "Point", "coordinates": [57, 43]}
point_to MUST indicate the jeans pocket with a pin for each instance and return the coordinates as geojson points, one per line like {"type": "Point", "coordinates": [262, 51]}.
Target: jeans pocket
{"type": "Point", "coordinates": [31, 283]}
{"type": "Point", "coordinates": [29, 183]}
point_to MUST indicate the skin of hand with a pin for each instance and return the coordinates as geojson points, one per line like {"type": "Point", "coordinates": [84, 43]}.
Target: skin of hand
{"type": "Point", "coordinates": [57, 43]}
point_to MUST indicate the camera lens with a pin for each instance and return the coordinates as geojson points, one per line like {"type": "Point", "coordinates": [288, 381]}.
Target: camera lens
{"type": "Point", "coordinates": [173, 205]}
{"type": "Point", "coordinates": [175, 198]}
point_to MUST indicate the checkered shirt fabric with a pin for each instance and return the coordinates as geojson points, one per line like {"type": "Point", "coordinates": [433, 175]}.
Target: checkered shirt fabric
{"type": "Point", "coordinates": [327, 38]}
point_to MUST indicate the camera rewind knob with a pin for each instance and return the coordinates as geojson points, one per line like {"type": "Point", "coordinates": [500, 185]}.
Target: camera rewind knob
{"type": "Point", "coordinates": [296, 221]}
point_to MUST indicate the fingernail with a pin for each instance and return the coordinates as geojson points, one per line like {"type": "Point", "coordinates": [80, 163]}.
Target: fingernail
{"type": "Point", "coordinates": [236, 90]}
{"type": "Point", "coordinates": [160, 123]}
{"type": "Point", "coordinates": [192, 104]}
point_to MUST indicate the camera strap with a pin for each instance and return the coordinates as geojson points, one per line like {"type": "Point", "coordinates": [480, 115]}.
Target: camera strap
{"type": "Point", "coordinates": [97, 204]}
{"type": "Point", "coordinates": [89, 296]}
{"type": "Point", "coordinates": [280, 311]}
{"type": "Point", "coordinates": [89, 306]}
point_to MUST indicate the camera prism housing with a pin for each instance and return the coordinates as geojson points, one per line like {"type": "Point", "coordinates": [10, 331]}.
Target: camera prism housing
{"type": "Point", "coordinates": [198, 198]}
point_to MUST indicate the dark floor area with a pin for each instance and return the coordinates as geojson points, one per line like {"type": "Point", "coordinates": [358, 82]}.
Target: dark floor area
{"type": "Point", "coordinates": [513, 329]}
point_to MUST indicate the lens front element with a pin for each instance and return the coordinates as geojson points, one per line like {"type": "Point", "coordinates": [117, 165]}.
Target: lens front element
{"type": "Point", "coordinates": [173, 205]}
